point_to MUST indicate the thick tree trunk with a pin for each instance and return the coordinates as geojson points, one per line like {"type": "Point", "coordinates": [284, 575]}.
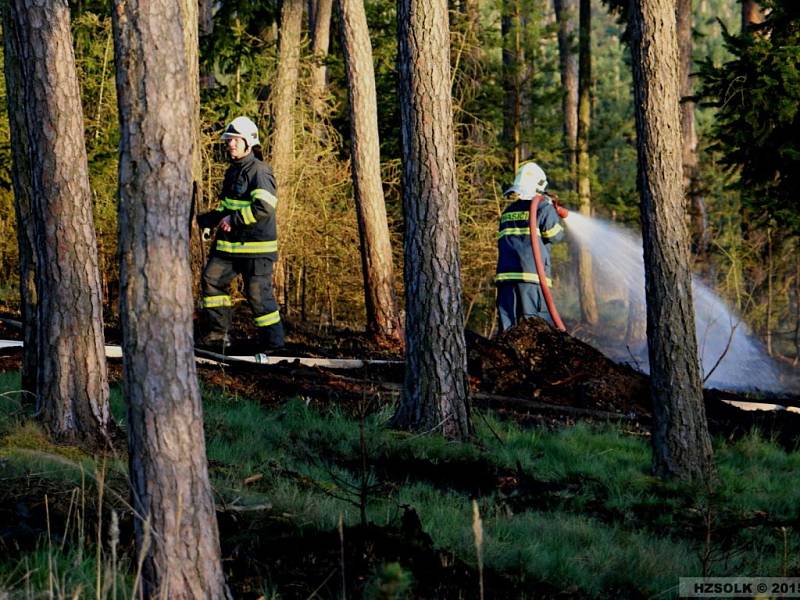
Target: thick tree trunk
{"type": "Point", "coordinates": [586, 293]}
{"type": "Point", "coordinates": [383, 317]}
{"type": "Point", "coordinates": [681, 444]}
{"type": "Point", "coordinates": [435, 390]}
{"type": "Point", "coordinates": [175, 524]}
{"type": "Point", "coordinates": [694, 197]}
{"type": "Point", "coordinates": [319, 49]}
{"type": "Point", "coordinates": [71, 380]}
{"type": "Point", "coordinates": [23, 193]}
{"type": "Point", "coordinates": [566, 14]}
{"type": "Point", "coordinates": [513, 60]}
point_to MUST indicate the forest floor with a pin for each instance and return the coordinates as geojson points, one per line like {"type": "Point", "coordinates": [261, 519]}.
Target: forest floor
{"type": "Point", "coordinates": [318, 499]}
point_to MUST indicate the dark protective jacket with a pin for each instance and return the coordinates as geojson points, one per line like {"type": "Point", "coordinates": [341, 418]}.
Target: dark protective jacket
{"type": "Point", "coordinates": [514, 253]}
{"type": "Point", "coordinates": [249, 197]}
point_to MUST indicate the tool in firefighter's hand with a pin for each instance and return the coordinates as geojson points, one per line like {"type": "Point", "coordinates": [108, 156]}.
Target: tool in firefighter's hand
{"type": "Point", "coordinates": [206, 234]}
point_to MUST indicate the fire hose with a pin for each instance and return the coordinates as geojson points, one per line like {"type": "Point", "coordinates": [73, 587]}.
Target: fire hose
{"type": "Point", "coordinates": [537, 257]}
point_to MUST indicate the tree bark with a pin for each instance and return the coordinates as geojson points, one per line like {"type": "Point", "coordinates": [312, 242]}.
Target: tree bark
{"type": "Point", "coordinates": [283, 96]}
{"type": "Point", "coordinates": [205, 23]}
{"type": "Point", "coordinates": [751, 14]}
{"type": "Point", "coordinates": [681, 444]}
{"type": "Point", "coordinates": [566, 12]}
{"type": "Point", "coordinates": [435, 389]}
{"type": "Point", "coordinates": [694, 197]}
{"type": "Point", "coordinates": [23, 193]}
{"type": "Point", "coordinates": [319, 48]}
{"type": "Point", "coordinates": [71, 379]}
{"type": "Point", "coordinates": [383, 317]}
{"type": "Point", "coordinates": [513, 59]}
{"type": "Point", "coordinates": [586, 293]}
{"type": "Point", "coordinates": [190, 20]}
{"type": "Point", "coordinates": [175, 525]}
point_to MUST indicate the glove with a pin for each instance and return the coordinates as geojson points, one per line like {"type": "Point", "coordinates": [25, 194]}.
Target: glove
{"type": "Point", "coordinates": [206, 234]}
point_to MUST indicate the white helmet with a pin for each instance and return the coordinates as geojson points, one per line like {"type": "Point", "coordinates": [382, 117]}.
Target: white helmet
{"type": "Point", "coordinates": [244, 128]}
{"type": "Point", "coordinates": [530, 180]}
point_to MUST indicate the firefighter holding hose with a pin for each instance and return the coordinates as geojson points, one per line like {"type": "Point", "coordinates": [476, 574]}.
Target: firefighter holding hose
{"type": "Point", "coordinates": [519, 286]}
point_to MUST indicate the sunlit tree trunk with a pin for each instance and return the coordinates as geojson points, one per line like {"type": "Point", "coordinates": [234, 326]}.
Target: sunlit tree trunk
{"type": "Point", "coordinates": [284, 96]}
{"type": "Point", "coordinates": [174, 519]}
{"type": "Point", "coordinates": [751, 14]}
{"type": "Point", "coordinates": [681, 444]}
{"type": "Point", "coordinates": [71, 379]}
{"type": "Point", "coordinates": [23, 192]}
{"type": "Point", "coordinates": [383, 317]}
{"type": "Point", "coordinates": [586, 292]}
{"type": "Point", "coordinates": [566, 14]}
{"type": "Point", "coordinates": [435, 390]}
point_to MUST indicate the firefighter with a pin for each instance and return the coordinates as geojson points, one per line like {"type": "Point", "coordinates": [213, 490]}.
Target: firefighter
{"type": "Point", "coordinates": [519, 294]}
{"type": "Point", "coordinates": [246, 241]}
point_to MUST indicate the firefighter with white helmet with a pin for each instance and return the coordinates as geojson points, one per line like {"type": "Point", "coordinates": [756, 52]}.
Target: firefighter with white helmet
{"type": "Point", "coordinates": [246, 241]}
{"type": "Point", "coordinates": [519, 294]}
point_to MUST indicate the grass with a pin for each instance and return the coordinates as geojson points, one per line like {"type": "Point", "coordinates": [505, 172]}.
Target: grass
{"type": "Point", "coordinates": [606, 528]}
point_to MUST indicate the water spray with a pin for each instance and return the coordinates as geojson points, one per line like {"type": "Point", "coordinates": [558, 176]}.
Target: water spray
{"type": "Point", "coordinates": [537, 258]}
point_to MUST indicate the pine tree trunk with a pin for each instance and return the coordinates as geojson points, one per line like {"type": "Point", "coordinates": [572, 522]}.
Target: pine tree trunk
{"type": "Point", "coordinates": [284, 95]}
{"type": "Point", "coordinates": [23, 192]}
{"type": "Point", "coordinates": [189, 10]}
{"type": "Point", "coordinates": [691, 186]}
{"type": "Point", "coordinates": [435, 391]}
{"type": "Point", "coordinates": [586, 293]}
{"type": "Point", "coordinates": [681, 444]}
{"type": "Point", "coordinates": [175, 523]}
{"type": "Point", "coordinates": [71, 379]}
{"type": "Point", "coordinates": [512, 69]}
{"type": "Point", "coordinates": [205, 24]}
{"type": "Point", "coordinates": [751, 14]}
{"type": "Point", "coordinates": [566, 14]}
{"type": "Point", "coordinates": [319, 48]}
{"type": "Point", "coordinates": [383, 317]}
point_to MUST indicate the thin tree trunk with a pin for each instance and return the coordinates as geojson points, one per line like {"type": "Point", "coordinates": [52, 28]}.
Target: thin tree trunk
{"type": "Point", "coordinates": [319, 49]}
{"type": "Point", "coordinates": [681, 444]}
{"type": "Point", "coordinates": [751, 14]}
{"type": "Point", "coordinates": [696, 202]}
{"type": "Point", "coordinates": [284, 95]}
{"type": "Point", "coordinates": [435, 390]}
{"type": "Point", "coordinates": [770, 267]}
{"type": "Point", "coordinates": [175, 524]}
{"type": "Point", "coordinates": [206, 30]}
{"type": "Point", "coordinates": [383, 317]}
{"type": "Point", "coordinates": [189, 10]}
{"type": "Point", "coordinates": [566, 14]}
{"type": "Point", "coordinates": [23, 192]}
{"type": "Point", "coordinates": [71, 379]}
{"type": "Point", "coordinates": [513, 59]}
{"type": "Point", "coordinates": [586, 292]}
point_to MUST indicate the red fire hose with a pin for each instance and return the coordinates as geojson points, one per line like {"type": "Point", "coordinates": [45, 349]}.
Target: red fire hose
{"type": "Point", "coordinates": [537, 257]}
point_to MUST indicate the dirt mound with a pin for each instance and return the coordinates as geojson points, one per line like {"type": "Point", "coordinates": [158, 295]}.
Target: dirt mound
{"type": "Point", "coordinates": [533, 360]}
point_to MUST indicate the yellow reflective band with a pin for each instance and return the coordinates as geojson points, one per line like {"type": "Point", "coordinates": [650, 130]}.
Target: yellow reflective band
{"type": "Point", "coordinates": [553, 231]}
{"type": "Point", "coordinates": [526, 277]}
{"type": "Point", "coordinates": [234, 204]}
{"type": "Point", "coordinates": [261, 194]}
{"type": "Point", "coordinates": [216, 301]}
{"type": "Point", "coordinates": [514, 216]}
{"type": "Point", "coordinates": [514, 231]}
{"type": "Point", "coordinates": [247, 216]}
{"type": "Point", "coordinates": [268, 319]}
{"type": "Point", "coordinates": [247, 247]}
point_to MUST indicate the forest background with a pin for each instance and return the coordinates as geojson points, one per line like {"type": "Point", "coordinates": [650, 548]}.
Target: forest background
{"type": "Point", "coordinates": [746, 250]}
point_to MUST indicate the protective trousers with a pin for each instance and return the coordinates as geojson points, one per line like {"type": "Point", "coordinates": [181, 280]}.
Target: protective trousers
{"type": "Point", "coordinates": [257, 275]}
{"type": "Point", "coordinates": [519, 300]}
